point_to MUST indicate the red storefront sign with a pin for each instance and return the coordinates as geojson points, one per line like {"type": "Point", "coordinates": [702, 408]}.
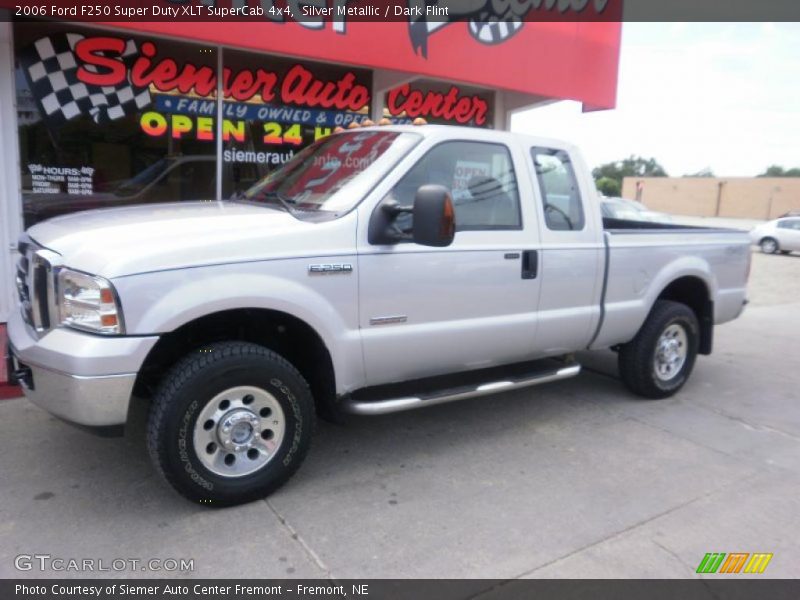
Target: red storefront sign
{"type": "Point", "coordinates": [575, 60]}
{"type": "Point", "coordinates": [101, 64]}
{"type": "Point", "coordinates": [452, 106]}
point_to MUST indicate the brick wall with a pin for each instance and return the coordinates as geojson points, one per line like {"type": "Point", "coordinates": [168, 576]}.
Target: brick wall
{"type": "Point", "coordinates": [732, 197]}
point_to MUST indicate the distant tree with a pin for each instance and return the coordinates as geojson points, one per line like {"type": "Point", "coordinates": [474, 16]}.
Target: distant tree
{"type": "Point", "coordinates": [609, 187]}
{"type": "Point", "coordinates": [633, 166]}
{"type": "Point", "coordinates": [778, 171]}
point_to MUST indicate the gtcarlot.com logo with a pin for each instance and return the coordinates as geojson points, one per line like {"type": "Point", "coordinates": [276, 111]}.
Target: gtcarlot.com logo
{"type": "Point", "coordinates": [48, 562]}
{"type": "Point", "coordinates": [735, 562]}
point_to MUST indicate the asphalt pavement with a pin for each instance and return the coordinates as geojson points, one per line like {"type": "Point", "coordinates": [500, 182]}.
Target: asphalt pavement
{"type": "Point", "coordinates": [575, 479]}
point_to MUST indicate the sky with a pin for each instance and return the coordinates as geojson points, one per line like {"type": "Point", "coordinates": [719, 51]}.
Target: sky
{"type": "Point", "coordinates": [694, 96]}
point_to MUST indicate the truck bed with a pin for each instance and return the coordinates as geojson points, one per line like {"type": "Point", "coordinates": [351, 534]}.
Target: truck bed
{"type": "Point", "coordinates": [625, 225]}
{"type": "Point", "coordinates": [644, 257]}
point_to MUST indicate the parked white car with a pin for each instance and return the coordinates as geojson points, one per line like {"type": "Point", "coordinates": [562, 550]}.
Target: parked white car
{"type": "Point", "coordinates": [631, 210]}
{"type": "Point", "coordinates": [780, 235]}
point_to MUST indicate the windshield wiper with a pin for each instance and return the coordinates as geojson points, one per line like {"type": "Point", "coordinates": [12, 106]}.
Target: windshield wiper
{"type": "Point", "coordinates": [272, 196]}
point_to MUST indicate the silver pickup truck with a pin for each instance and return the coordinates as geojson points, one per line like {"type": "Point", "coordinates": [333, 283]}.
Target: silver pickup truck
{"type": "Point", "coordinates": [382, 269]}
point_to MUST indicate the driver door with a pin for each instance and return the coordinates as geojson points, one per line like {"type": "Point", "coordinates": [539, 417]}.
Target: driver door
{"type": "Point", "coordinates": [426, 311]}
{"type": "Point", "coordinates": [789, 234]}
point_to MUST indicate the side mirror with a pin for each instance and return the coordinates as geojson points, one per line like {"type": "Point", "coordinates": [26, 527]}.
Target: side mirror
{"type": "Point", "coordinates": [434, 216]}
{"type": "Point", "coordinates": [434, 222]}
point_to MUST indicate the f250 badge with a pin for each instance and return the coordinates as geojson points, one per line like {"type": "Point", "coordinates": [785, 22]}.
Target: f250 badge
{"type": "Point", "coordinates": [330, 269]}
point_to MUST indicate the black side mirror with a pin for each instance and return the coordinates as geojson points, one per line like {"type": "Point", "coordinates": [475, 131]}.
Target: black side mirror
{"type": "Point", "coordinates": [434, 219]}
{"type": "Point", "coordinates": [434, 216]}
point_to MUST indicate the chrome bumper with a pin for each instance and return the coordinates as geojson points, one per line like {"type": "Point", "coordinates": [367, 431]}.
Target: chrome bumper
{"type": "Point", "coordinates": [93, 401]}
{"type": "Point", "coordinates": [81, 378]}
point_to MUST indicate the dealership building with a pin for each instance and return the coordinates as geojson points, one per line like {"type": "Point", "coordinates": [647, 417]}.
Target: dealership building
{"type": "Point", "coordinates": [99, 115]}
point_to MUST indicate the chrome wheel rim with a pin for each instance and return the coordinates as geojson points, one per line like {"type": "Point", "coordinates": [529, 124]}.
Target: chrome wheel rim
{"type": "Point", "coordinates": [672, 349]}
{"type": "Point", "coordinates": [239, 431]}
{"type": "Point", "coordinates": [769, 246]}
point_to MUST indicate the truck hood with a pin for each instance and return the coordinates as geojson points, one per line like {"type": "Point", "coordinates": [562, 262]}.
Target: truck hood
{"type": "Point", "coordinates": [137, 239]}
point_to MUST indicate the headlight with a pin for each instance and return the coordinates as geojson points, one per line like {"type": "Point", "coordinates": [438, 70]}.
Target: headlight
{"type": "Point", "coordinates": [88, 302]}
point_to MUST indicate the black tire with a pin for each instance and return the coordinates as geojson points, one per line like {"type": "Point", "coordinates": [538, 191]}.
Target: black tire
{"type": "Point", "coordinates": [637, 358]}
{"type": "Point", "coordinates": [186, 392]}
{"type": "Point", "coordinates": [769, 245]}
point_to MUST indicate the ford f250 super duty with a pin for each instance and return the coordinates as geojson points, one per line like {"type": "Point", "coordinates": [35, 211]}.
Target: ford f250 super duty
{"type": "Point", "coordinates": [381, 269]}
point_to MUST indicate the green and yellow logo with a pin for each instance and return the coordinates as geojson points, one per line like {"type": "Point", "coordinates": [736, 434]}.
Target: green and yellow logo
{"type": "Point", "coordinates": [736, 562]}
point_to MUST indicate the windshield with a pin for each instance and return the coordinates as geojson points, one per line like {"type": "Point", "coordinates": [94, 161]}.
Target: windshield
{"type": "Point", "coordinates": [312, 180]}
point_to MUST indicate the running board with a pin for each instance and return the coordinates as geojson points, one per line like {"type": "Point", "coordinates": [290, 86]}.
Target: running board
{"type": "Point", "coordinates": [392, 405]}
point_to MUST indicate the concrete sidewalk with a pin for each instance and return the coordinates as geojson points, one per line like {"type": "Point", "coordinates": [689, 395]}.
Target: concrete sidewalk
{"type": "Point", "coordinates": [577, 479]}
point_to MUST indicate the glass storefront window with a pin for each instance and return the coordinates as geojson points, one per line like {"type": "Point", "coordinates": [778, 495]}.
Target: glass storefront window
{"type": "Point", "coordinates": [295, 104]}
{"type": "Point", "coordinates": [109, 119]}
{"type": "Point", "coordinates": [99, 124]}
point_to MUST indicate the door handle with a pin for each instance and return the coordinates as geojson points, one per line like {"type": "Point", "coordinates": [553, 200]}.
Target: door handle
{"type": "Point", "coordinates": [530, 264]}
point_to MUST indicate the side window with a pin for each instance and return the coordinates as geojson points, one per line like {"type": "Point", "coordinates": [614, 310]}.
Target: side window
{"type": "Point", "coordinates": [563, 210]}
{"type": "Point", "coordinates": [480, 177]}
{"type": "Point", "coordinates": [789, 224]}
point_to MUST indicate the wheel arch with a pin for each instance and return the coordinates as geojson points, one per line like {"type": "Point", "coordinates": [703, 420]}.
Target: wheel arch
{"type": "Point", "coordinates": [694, 292]}
{"type": "Point", "coordinates": [291, 337]}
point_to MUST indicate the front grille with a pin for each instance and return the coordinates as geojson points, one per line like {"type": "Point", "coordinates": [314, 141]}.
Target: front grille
{"type": "Point", "coordinates": [22, 279]}
{"type": "Point", "coordinates": [34, 281]}
{"type": "Point", "coordinates": [40, 281]}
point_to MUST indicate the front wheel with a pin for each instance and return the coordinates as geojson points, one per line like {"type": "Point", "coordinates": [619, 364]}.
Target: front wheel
{"type": "Point", "coordinates": [769, 246]}
{"type": "Point", "coordinates": [658, 361]}
{"type": "Point", "coordinates": [230, 423]}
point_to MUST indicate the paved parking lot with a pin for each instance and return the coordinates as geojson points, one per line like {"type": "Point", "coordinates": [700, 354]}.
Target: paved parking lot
{"type": "Point", "coordinates": [577, 479]}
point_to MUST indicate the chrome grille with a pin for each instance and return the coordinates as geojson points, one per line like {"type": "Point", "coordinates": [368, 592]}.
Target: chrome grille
{"type": "Point", "coordinates": [34, 281]}
{"type": "Point", "coordinates": [22, 282]}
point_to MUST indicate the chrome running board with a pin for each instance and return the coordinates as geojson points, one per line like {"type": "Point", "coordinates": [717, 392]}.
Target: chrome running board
{"type": "Point", "coordinates": [391, 405]}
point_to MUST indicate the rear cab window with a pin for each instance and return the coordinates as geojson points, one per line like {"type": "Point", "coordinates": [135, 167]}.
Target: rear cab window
{"type": "Point", "coordinates": [560, 193]}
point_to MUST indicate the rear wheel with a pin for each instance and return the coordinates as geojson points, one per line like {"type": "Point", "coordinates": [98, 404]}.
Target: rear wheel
{"type": "Point", "coordinates": [769, 245]}
{"type": "Point", "coordinates": [230, 423]}
{"type": "Point", "coordinates": [659, 360]}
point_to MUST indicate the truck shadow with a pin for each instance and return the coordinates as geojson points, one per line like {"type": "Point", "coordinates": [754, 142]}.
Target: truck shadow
{"type": "Point", "coordinates": [110, 476]}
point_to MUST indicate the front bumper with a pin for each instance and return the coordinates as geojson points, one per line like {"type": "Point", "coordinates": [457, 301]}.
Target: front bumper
{"type": "Point", "coordinates": [82, 378]}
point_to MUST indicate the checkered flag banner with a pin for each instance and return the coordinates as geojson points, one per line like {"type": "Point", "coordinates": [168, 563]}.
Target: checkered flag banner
{"type": "Point", "coordinates": [51, 68]}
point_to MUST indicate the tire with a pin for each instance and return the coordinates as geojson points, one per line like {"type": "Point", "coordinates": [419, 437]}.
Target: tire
{"type": "Point", "coordinates": [244, 400]}
{"type": "Point", "coordinates": [651, 374]}
{"type": "Point", "coordinates": [769, 245]}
